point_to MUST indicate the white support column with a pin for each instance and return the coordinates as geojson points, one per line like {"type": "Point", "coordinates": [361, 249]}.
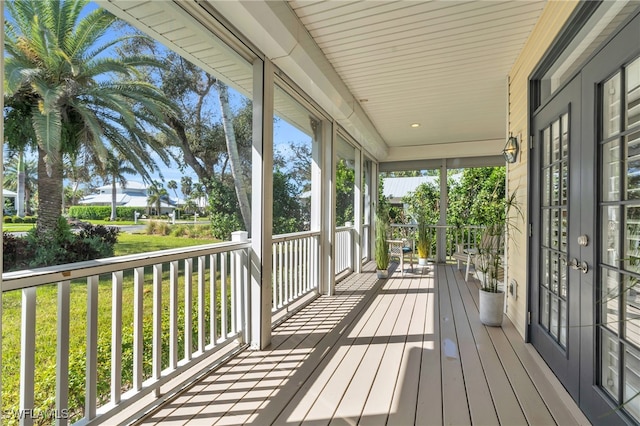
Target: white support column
{"type": "Point", "coordinates": [327, 232]}
{"type": "Point", "coordinates": [261, 204]}
{"type": "Point", "coordinates": [375, 188]}
{"type": "Point", "coordinates": [441, 251]}
{"type": "Point", "coordinates": [316, 199]}
{"type": "Point", "coordinates": [357, 213]}
{"type": "Point", "coordinates": [367, 204]}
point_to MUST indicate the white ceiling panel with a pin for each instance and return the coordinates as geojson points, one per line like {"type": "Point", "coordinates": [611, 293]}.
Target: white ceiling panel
{"type": "Point", "coordinates": [442, 64]}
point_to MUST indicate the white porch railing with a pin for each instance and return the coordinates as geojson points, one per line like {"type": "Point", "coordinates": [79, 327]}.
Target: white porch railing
{"type": "Point", "coordinates": [295, 262]}
{"type": "Point", "coordinates": [365, 242]}
{"type": "Point", "coordinates": [468, 235]}
{"type": "Point", "coordinates": [344, 249]}
{"type": "Point", "coordinates": [202, 316]}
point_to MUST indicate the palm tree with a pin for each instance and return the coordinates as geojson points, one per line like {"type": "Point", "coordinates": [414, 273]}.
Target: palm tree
{"type": "Point", "coordinates": [61, 95]}
{"type": "Point", "coordinates": [20, 176]}
{"type": "Point", "coordinates": [115, 170]}
{"type": "Point", "coordinates": [155, 195]}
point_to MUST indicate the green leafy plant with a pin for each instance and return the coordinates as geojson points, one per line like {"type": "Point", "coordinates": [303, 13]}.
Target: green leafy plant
{"type": "Point", "coordinates": [381, 244]}
{"type": "Point", "coordinates": [424, 239]}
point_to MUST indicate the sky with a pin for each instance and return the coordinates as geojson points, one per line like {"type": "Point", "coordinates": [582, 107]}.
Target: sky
{"type": "Point", "coordinates": [283, 133]}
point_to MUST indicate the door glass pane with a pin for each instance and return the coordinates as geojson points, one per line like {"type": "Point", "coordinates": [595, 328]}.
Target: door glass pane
{"type": "Point", "coordinates": [632, 143]}
{"type": "Point", "coordinates": [632, 310]}
{"type": "Point", "coordinates": [546, 188]}
{"type": "Point", "coordinates": [546, 147]}
{"type": "Point", "coordinates": [545, 268]}
{"type": "Point", "coordinates": [609, 366]}
{"type": "Point", "coordinates": [609, 300]}
{"type": "Point", "coordinates": [555, 229]}
{"type": "Point", "coordinates": [632, 381]}
{"type": "Point", "coordinates": [563, 323]}
{"type": "Point", "coordinates": [555, 184]}
{"type": "Point", "coordinates": [564, 183]}
{"type": "Point", "coordinates": [611, 107]}
{"type": "Point", "coordinates": [544, 308]}
{"type": "Point", "coordinates": [563, 277]}
{"type": "Point", "coordinates": [556, 154]}
{"type": "Point", "coordinates": [611, 171]}
{"type": "Point", "coordinates": [632, 239]}
{"type": "Point", "coordinates": [565, 135]}
{"type": "Point", "coordinates": [546, 223]}
{"type": "Point", "coordinates": [633, 93]}
{"type": "Point", "coordinates": [564, 217]}
{"type": "Point", "coordinates": [553, 329]}
{"type": "Point", "coordinates": [555, 267]}
{"type": "Point", "coordinates": [610, 235]}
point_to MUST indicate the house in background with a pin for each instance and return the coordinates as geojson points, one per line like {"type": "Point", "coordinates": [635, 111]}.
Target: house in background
{"type": "Point", "coordinates": [134, 194]}
{"type": "Point", "coordinates": [9, 201]}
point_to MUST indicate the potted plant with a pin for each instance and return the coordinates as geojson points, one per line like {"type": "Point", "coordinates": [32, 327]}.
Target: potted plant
{"type": "Point", "coordinates": [489, 260]}
{"type": "Point", "coordinates": [424, 241]}
{"type": "Point", "coordinates": [381, 243]}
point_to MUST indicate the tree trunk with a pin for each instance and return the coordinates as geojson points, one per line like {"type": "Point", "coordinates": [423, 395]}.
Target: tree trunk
{"type": "Point", "coordinates": [20, 199]}
{"type": "Point", "coordinates": [234, 157]}
{"type": "Point", "coordinates": [49, 194]}
{"type": "Point", "coordinates": [113, 199]}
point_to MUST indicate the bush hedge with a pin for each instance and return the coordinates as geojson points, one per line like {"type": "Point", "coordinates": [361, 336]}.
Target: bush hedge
{"type": "Point", "coordinates": [101, 212]}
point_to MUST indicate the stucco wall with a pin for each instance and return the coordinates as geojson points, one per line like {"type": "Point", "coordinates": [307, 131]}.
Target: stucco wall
{"type": "Point", "coordinates": [553, 17]}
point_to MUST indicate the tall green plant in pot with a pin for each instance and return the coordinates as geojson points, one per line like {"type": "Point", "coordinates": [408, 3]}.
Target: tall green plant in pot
{"type": "Point", "coordinates": [382, 246]}
{"type": "Point", "coordinates": [424, 241]}
{"type": "Point", "coordinates": [503, 215]}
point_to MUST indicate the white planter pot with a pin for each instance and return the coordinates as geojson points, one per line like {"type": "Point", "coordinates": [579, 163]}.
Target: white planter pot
{"type": "Point", "coordinates": [423, 261]}
{"type": "Point", "coordinates": [491, 308]}
{"type": "Point", "coordinates": [382, 273]}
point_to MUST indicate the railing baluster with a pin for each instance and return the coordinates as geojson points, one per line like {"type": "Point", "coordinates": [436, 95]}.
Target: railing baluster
{"type": "Point", "coordinates": [188, 308]}
{"type": "Point", "coordinates": [232, 289]}
{"type": "Point", "coordinates": [91, 375]}
{"type": "Point", "coordinates": [27, 354]}
{"type": "Point", "coordinates": [223, 296]}
{"type": "Point", "coordinates": [116, 337]}
{"type": "Point", "coordinates": [62, 351]}
{"type": "Point", "coordinates": [274, 278]}
{"type": "Point", "coordinates": [280, 274]}
{"type": "Point", "coordinates": [212, 298]}
{"type": "Point", "coordinates": [173, 314]}
{"type": "Point", "coordinates": [201, 302]}
{"type": "Point", "coordinates": [138, 323]}
{"type": "Point", "coordinates": [157, 324]}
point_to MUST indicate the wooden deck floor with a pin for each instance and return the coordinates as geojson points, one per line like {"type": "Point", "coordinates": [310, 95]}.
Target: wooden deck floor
{"type": "Point", "coordinates": [408, 350]}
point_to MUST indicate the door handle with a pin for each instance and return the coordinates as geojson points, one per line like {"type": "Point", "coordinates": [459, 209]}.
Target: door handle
{"type": "Point", "coordinates": [579, 266]}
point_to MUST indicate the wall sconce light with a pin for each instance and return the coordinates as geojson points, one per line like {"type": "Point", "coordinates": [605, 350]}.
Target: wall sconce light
{"type": "Point", "coordinates": [511, 149]}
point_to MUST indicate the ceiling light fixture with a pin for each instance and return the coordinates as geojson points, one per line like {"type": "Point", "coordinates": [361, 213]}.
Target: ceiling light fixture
{"type": "Point", "coordinates": [414, 125]}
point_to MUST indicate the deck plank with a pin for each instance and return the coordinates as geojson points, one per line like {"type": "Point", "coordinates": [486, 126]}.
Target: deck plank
{"type": "Point", "coordinates": [454, 394]}
{"type": "Point", "coordinates": [481, 405]}
{"type": "Point", "coordinates": [507, 406]}
{"type": "Point", "coordinates": [408, 350]}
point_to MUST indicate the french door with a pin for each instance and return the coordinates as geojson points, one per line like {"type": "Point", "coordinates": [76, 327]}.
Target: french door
{"type": "Point", "coordinates": [585, 239]}
{"type": "Point", "coordinates": [559, 266]}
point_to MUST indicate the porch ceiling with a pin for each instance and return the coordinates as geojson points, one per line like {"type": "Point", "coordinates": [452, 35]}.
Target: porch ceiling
{"type": "Point", "coordinates": [375, 66]}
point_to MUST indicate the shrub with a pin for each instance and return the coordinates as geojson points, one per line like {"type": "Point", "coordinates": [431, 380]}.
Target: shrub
{"type": "Point", "coordinates": [101, 212]}
{"type": "Point", "coordinates": [18, 219]}
{"type": "Point", "coordinates": [222, 225]}
{"type": "Point", "coordinates": [58, 246]}
{"type": "Point", "coordinates": [30, 219]}
{"type": "Point", "coordinates": [8, 219]}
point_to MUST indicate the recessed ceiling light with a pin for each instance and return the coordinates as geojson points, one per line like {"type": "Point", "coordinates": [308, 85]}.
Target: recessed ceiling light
{"type": "Point", "coordinates": [414, 125]}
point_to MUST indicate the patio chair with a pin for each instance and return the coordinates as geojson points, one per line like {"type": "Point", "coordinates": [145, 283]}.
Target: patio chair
{"type": "Point", "coordinates": [468, 254]}
{"type": "Point", "coordinates": [400, 246]}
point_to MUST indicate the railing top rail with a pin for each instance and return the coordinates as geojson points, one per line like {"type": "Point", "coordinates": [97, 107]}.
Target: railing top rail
{"type": "Point", "coordinates": [52, 274]}
{"type": "Point", "coordinates": [294, 236]}
{"type": "Point", "coordinates": [344, 228]}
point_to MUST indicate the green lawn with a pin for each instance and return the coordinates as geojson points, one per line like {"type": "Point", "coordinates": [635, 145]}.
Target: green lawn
{"type": "Point", "coordinates": [17, 227]}
{"type": "Point", "coordinates": [46, 319]}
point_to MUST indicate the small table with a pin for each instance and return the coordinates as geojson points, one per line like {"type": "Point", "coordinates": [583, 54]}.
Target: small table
{"type": "Point", "coordinates": [398, 248]}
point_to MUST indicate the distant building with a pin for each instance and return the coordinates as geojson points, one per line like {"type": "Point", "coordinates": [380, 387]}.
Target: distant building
{"type": "Point", "coordinates": [395, 188]}
{"type": "Point", "coordinates": [133, 195]}
{"type": "Point", "coordinates": [8, 201]}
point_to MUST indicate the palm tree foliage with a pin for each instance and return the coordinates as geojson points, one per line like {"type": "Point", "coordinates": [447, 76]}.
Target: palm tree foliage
{"type": "Point", "coordinates": [17, 171]}
{"type": "Point", "coordinates": [64, 92]}
{"type": "Point", "coordinates": [156, 194]}
{"type": "Point", "coordinates": [115, 171]}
